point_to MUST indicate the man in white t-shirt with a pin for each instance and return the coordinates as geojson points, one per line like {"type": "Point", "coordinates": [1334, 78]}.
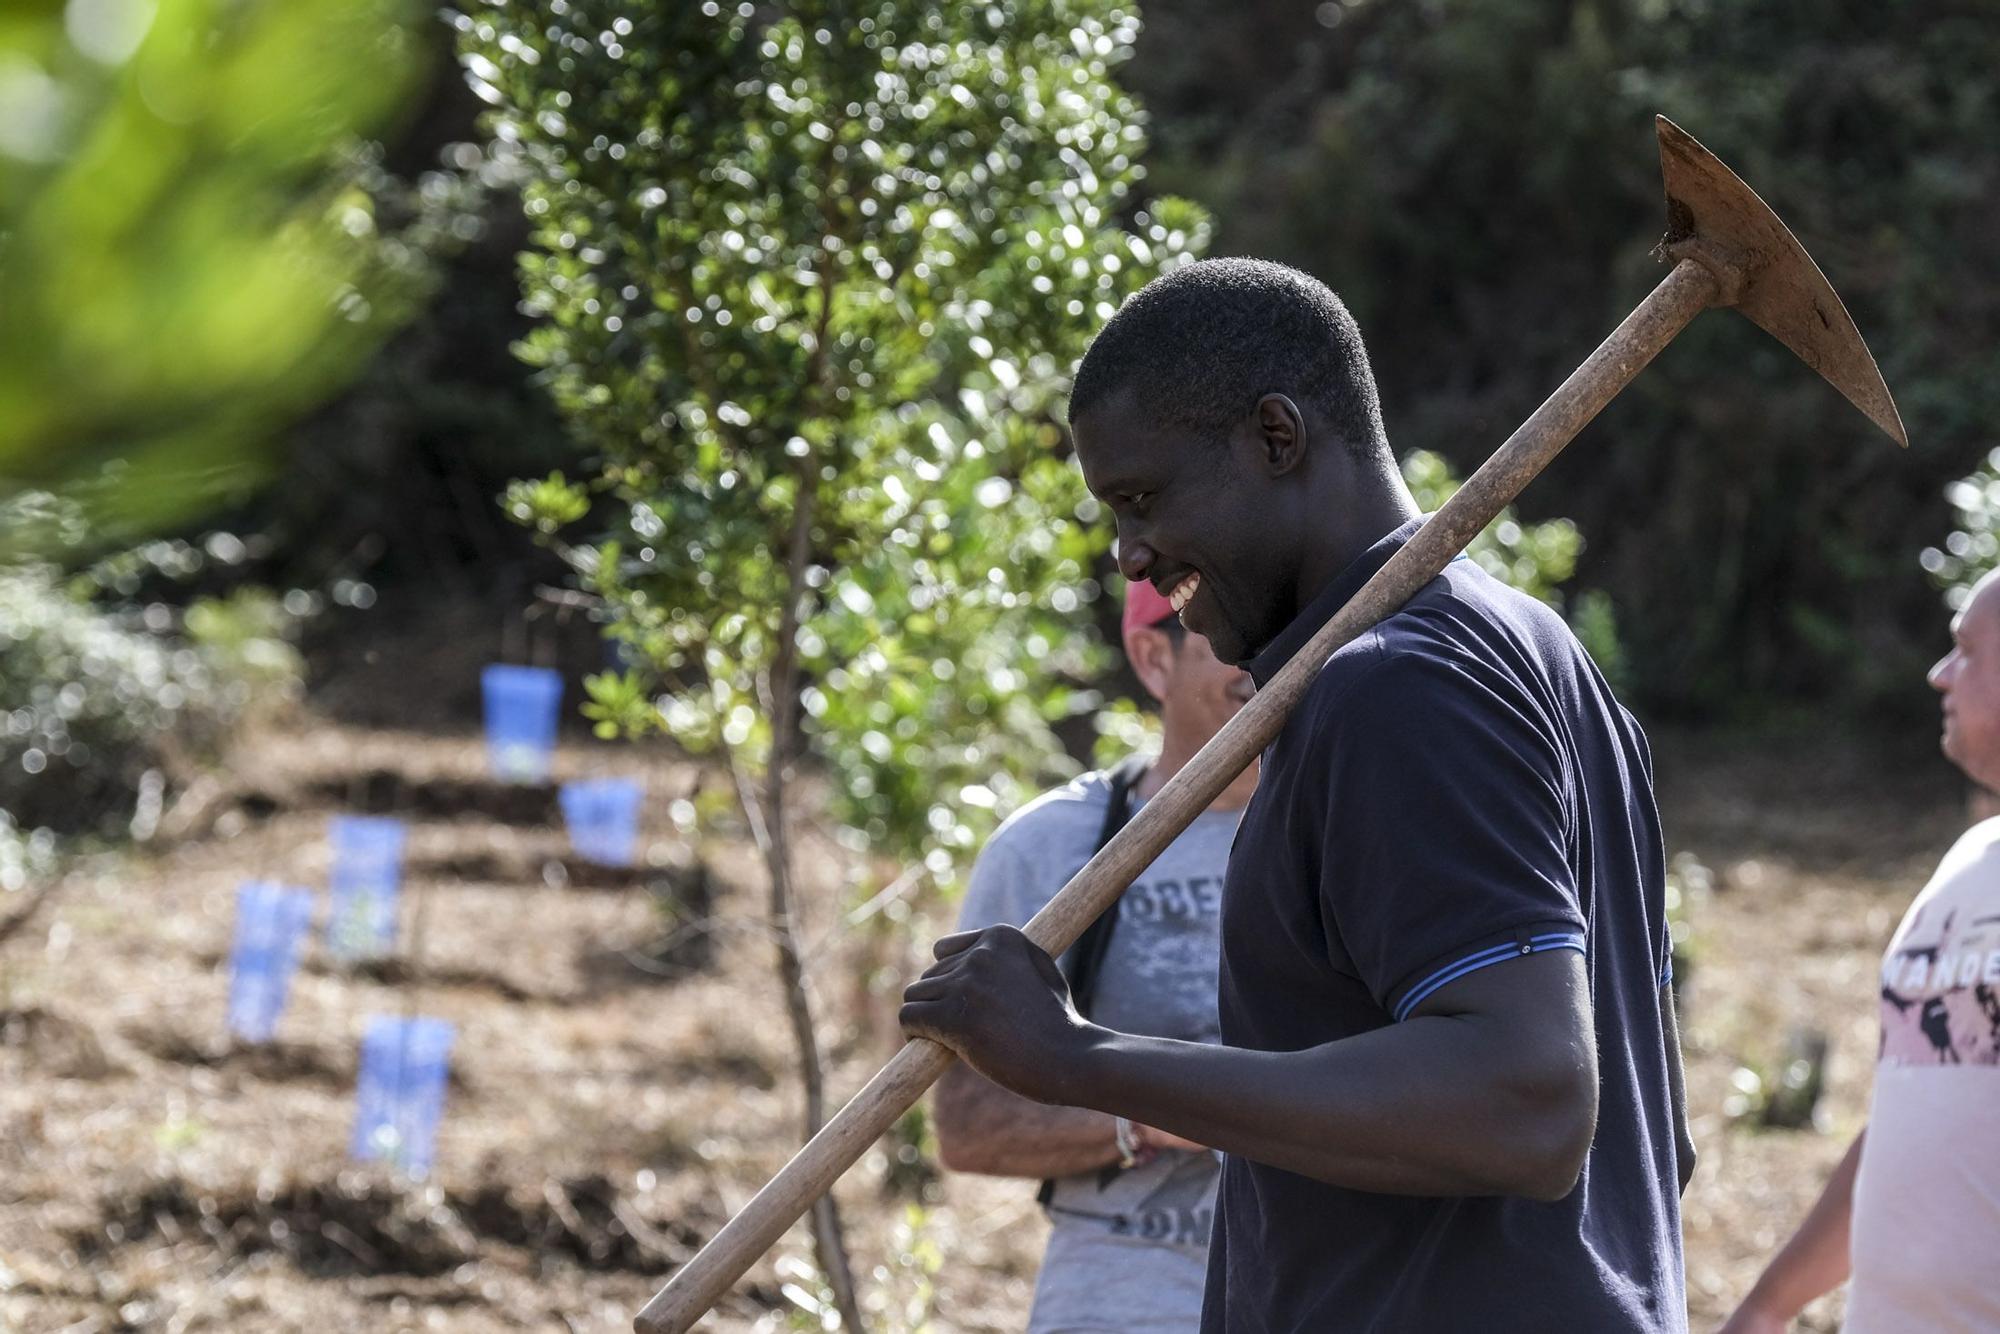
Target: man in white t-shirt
{"type": "Point", "coordinates": [1912, 1214]}
{"type": "Point", "coordinates": [1129, 1206]}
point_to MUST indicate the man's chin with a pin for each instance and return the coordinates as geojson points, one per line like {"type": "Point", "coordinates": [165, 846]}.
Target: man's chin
{"type": "Point", "coordinates": [1229, 648]}
{"type": "Point", "coordinates": [1223, 641]}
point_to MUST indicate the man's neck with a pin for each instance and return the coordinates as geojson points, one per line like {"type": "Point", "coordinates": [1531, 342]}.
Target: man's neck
{"type": "Point", "coordinates": [1377, 504]}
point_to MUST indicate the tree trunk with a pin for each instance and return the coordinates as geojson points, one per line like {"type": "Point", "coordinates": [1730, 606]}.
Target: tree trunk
{"type": "Point", "coordinates": [770, 826]}
{"type": "Point", "coordinates": [828, 1239]}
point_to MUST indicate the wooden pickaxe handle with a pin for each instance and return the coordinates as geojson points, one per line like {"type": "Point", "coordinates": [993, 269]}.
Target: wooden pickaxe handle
{"type": "Point", "coordinates": [1682, 294]}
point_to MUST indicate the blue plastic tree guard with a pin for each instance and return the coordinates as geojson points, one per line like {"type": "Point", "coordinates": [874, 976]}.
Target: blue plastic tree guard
{"type": "Point", "coordinates": [367, 872]}
{"type": "Point", "coordinates": [522, 704]}
{"type": "Point", "coordinates": [399, 1099]}
{"type": "Point", "coordinates": [271, 924]}
{"type": "Point", "coordinates": [602, 815]}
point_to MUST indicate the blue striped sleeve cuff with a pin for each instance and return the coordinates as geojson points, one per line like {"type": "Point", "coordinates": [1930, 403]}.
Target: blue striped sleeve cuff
{"type": "Point", "coordinates": [1478, 959]}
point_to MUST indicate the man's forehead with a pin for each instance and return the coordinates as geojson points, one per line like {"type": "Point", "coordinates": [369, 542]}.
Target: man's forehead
{"type": "Point", "coordinates": [1111, 440]}
{"type": "Point", "coordinates": [1981, 612]}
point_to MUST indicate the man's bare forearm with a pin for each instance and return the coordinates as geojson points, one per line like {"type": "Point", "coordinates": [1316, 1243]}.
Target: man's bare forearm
{"type": "Point", "coordinates": [981, 1127]}
{"type": "Point", "coordinates": [1670, 1025]}
{"type": "Point", "coordinates": [1489, 1089]}
{"type": "Point", "coordinates": [1369, 1112]}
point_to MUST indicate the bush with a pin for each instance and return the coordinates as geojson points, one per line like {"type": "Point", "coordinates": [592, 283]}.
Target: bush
{"type": "Point", "coordinates": [108, 688]}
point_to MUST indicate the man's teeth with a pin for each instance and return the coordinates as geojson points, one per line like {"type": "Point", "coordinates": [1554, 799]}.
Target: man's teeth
{"type": "Point", "coordinates": [1184, 591]}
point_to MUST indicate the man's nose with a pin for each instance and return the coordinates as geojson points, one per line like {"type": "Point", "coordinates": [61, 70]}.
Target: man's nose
{"type": "Point", "coordinates": [1941, 672]}
{"type": "Point", "coordinates": [1135, 558]}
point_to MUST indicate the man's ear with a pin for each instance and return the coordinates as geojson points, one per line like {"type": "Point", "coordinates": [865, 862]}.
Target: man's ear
{"type": "Point", "coordinates": [1151, 653]}
{"type": "Point", "coordinates": [1281, 433]}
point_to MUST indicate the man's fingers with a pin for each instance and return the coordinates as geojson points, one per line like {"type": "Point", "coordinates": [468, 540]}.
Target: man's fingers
{"type": "Point", "coordinates": [921, 1019]}
{"type": "Point", "coordinates": [943, 968]}
{"type": "Point", "coordinates": [956, 943]}
{"type": "Point", "coordinates": [929, 987]}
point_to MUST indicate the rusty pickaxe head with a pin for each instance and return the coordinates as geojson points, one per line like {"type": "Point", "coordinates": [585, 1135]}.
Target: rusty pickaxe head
{"type": "Point", "coordinates": [1763, 271]}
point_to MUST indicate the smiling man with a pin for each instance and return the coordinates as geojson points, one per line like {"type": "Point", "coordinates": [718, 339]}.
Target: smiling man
{"type": "Point", "coordinates": [1449, 1085]}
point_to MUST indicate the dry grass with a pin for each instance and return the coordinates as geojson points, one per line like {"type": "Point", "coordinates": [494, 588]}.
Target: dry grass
{"type": "Point", "coordinates": [611, 1105]}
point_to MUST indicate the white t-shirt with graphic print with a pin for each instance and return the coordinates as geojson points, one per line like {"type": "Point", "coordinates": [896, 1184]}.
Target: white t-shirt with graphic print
{"type": "Point", "coordinates": [1926, 1223]}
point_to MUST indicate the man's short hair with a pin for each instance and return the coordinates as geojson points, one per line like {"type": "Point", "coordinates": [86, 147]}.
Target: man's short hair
{"type": "Point", "coordinates": [1202, 344]}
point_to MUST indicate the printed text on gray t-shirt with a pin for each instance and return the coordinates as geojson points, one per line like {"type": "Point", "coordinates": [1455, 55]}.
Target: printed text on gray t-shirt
{"type": "Point", "coordinates": [1128, 1250]}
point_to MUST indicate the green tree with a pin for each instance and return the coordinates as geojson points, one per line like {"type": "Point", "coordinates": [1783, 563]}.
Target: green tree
{"type": "Point", "coordinates": [812, 277]}
{"type": "Point", "coordinates": [197, 245]}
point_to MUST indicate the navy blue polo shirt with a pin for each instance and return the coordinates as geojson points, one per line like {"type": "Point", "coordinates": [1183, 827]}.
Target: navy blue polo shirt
{"type": "Point", "coordinates": [1457, 789]}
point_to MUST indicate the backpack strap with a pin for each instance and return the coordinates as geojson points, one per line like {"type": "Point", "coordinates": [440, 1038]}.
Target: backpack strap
{"type": "Point", "coordinates": [1081, 962]}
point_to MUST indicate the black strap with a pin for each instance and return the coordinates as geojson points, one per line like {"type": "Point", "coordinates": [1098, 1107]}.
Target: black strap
{"type": "Point", "coordinates": [1082, 961]}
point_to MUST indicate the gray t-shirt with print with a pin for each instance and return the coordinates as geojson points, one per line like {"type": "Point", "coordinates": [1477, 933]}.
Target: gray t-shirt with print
{"type": "Point", "coordinates": [1128, 1250]}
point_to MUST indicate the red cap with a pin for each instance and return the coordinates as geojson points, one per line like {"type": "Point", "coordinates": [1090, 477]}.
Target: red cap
{"type": "Point", "coordinates": [1145, 607]}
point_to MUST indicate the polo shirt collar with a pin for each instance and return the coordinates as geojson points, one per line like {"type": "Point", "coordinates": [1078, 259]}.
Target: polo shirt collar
{"type": "Point", "coordinates": [1331, 599]}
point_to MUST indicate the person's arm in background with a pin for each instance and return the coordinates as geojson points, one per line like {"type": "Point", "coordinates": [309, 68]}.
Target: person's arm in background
{"type": "Point", "coordinates": [1670, 1024]}
{"type": "Point", "coordinates": [1812, 1263]}
{"type": "Point", "coordinates": [981, 1127]}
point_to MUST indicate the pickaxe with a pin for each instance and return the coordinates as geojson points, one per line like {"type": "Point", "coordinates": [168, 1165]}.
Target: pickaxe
{"type": "Point", "coordinates": [1728, 249]}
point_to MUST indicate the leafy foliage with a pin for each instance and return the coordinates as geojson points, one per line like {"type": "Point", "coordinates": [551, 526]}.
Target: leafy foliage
{"type": "Point", "coordinates": [190, 252]}
{"type": "Point", "coordinates": [1972, 548]}
{"type": "Point", "coordinates": [106, 689]}
{"type": "Point", "coordinates": [812, 277]}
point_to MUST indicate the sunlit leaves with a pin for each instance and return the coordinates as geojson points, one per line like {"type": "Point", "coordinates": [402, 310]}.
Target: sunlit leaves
{"type": "Point", "coordinates": [548, 505]}
{"type": "Point", "coordinates": [844, 255]}
{"type": "Point", "coordinates": [1972, 548]}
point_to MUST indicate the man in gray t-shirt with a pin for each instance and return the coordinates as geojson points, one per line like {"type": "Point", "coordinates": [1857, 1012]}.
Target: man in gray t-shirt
{"type": "Point", "coordinates": [1131, 1205]}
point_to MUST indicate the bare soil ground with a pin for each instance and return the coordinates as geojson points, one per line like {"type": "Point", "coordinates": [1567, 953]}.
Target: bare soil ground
{"type": "Point", "coordinates": [622, 1079]}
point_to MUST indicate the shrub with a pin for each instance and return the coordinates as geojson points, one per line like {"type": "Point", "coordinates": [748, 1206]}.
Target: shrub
{"type": "Point", "coordinates": [107, 688]}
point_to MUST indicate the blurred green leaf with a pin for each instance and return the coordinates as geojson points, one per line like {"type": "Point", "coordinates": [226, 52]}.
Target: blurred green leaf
{"type": "Point", "coordinates": [186, 261]}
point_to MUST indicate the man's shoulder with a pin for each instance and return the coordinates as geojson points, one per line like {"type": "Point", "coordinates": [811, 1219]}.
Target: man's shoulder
{"type": "Point", "coordinates": [1060, 816]}
{"type": "Point", "coordinates": [1972, 863]}
{"type": "Point", "coordinates": [1464, 621]}
{"type": "Point", "coordinates": [1976, 843]}
{"type": "Point", "coordinates": [1034, 851]}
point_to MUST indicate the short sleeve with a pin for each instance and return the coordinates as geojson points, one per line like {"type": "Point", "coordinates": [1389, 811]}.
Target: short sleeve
{"type": "Point", "coordinates": [1000, 889]}
{"type": "Point", "coordinates": [1447, 827]}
